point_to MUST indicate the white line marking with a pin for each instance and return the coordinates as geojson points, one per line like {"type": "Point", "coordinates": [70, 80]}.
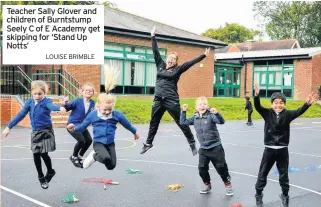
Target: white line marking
{"type": "Point", "coordinates": [24, 196]}
{"type": "Point", "coordinates": [254, 147]}
{"type": "Point", "coordinates": [316, 122]}
{"type": "Point", "coordinates": [185, 165]}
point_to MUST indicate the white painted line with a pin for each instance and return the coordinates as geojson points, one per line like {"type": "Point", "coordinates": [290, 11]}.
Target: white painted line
{"type": "Point", "coordinates": [255, 147]}
{"type": "Point", "coordinates": [186, 165]}
{"type": "Point", "coordinates": [316, 122]}
{"type": "Point", "coordinates": [24, 196]}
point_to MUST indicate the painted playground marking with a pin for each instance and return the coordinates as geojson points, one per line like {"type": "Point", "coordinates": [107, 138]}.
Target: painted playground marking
{"type": "Point", "coordinates": [185, 165]}
{"type": "Point", "coordinates": [255, 147]}
{"type": "Point", "coordinates": [133, 144]}
{"type": "Point", "coordinates": [24, 196]}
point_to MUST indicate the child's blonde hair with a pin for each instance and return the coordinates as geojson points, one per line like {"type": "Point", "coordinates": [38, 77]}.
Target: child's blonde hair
{"type": "Point", "coordinates": [111, 74]}
{"type": "Point", "coordinates": [88, 84]}
{"type": "Point", "coordinates": [39, 84]}
{"type": "Point", "coordinates": [201, 99]}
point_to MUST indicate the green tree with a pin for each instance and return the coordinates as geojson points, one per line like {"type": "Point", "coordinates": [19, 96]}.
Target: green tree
{"type": "Point", "coordinates": [231, 33]}
{"type": "Point", "coordinates": [291, 19]}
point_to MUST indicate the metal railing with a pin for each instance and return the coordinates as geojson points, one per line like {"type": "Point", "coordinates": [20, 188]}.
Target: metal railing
{"type": "Point", "coordinates": [60, 82]}
{"type": "Point", "coordinates": [15, 81]}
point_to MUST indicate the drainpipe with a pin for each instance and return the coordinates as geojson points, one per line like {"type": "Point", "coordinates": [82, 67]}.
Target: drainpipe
{"type": "Point", "coordinates": [245, 78]}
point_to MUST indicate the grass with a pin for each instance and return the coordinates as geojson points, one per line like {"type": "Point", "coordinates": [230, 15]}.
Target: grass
{"type": "Point", "coordinates": [138, 110]}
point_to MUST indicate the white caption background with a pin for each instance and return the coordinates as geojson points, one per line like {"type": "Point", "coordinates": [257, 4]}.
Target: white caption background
{"type": "Point", "coordinates": [34, 42]}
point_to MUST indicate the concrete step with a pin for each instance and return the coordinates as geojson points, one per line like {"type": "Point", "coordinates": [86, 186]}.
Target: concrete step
{"type": "Point", "coordinates": [59, 124]}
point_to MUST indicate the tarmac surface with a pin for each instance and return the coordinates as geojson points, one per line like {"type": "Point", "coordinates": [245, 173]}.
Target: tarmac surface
{"type": "Point", "coordinates": [170, 162]}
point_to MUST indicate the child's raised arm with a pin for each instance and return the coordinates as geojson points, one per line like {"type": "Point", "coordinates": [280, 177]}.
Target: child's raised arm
{"type": "Point", "coordinates": [293, 114]}
{"type": "Point", "coordinates": [217, 118]}
{"type": "Point", "coordinates": [183, 120]}
{"type": "Point", "coordinates": [257, 104]}
{"type": "Point", "coordinates": [53, 107]}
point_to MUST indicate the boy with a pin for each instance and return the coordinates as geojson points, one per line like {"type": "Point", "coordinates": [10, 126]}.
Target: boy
{"type": "Point", "coordinates": [211, 148]}
{"type": "Point", "coordinates": [276, 139]}
{"type": "Point", "coordinates": [248, 106]}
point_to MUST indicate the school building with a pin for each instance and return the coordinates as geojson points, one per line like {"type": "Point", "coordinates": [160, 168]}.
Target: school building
{"type": "Point", "coordinates": [229, 71]}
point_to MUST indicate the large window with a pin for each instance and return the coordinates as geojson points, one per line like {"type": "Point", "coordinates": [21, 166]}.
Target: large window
{"type": "Point", "coordinates": [274, 76]}
{"type": "Point", "coordinates": [136, 67]}
{"type": "Point", "coordinates": [227, 78]}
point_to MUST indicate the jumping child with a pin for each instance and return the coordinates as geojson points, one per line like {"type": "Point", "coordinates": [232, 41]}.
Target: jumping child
{"type": "Point", "coordinates": [276, 139]}
{"type": "Point", "coordinates": [42, 136]}
{"type": "Point", "coordinates": [81, 107]}
{"type": "Point", "coordinates": [104, 121]}
{"type": "Point", "coordinates": [211, 149]}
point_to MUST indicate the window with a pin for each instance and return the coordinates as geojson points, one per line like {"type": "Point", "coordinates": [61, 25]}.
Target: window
{"type": "Point", "coordinates": [136, 67]}
{"type": "Point", "coordinates": [275, 76]}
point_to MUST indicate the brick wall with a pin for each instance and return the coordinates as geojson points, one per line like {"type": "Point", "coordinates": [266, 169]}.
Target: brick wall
{"type": "Point", "coordinates": [195, 82]}
{"type": "Point", "coordinates": [249, 83]}
{"type": "Point", "coordinates": [302, 78]}
{"type": "Point", "coordinates": [233, 48]}
{"type": "Point", "coordinates": [10, 107]}
{"type": "Point", "coordinates": [316, 72]}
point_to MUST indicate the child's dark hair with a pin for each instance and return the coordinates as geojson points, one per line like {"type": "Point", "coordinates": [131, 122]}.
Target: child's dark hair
{"type": "Point", "coordinates": [278, 95]}
{"type": "Point", "coordinates": [247, 98]}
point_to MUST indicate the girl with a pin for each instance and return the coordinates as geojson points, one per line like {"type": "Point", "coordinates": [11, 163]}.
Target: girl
{"type": "Point", "coordinates": [104, 121]}
{"type": "Point", "coordinates": [81, 107]}
{"type": "Point", "coordinates": [42, 136]}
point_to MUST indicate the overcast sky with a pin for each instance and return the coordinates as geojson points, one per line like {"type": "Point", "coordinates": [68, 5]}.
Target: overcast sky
{"type": "Point", "coordinates": [194, 16]}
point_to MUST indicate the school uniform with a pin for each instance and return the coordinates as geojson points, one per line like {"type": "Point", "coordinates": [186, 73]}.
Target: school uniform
{"type": "Point", "coordinates": [42, 136]}
{"type": "Point", "coordinates": [104, 129]}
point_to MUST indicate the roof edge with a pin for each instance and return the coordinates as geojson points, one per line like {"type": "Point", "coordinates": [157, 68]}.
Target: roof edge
{"type": "Point", "coordinates": [140, 34]}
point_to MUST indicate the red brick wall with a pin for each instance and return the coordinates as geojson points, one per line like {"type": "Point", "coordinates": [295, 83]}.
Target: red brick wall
{"type": "Point", "coordinates": [86, 74]}
{"type": "Point", "coordinates": [249, 84]}
{"type": "Point", "coordinates": [316, 72]}
{"type": "Point", "coordinates": [10, 107]}
{"type": "Point", "coordinates": [195, 82]}
{"type": "Point", "coordinates": [302, 78]}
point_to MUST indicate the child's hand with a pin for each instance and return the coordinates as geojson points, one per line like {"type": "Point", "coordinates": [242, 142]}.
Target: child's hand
{"type": "Point", "coordinates": [213, 110]}
{"type": "Point", "coordinates": [137, 136]}
{"type": "Point", "coordinates": [6, 131]}
{"type": "Point", "coordinates": [66, 99]}
{"type": "Point", "coordinates": [152, 33]}
{"type": "Point", "coordinates": [185, 107]}
{"type": "Point", "coordinates": [71, 127]}
{"type": "Point", "coordinates": [313, 97]}
{"type": "Point", "coordinates": [62, 109]}
{"type": "Point", "coordinates": [256, 89]}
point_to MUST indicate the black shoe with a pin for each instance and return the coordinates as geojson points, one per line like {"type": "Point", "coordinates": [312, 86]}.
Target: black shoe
{"type": "Point", "coordinates": [207, 189]}
{"type": "Point", "coordinates": [50, 175]}
{"type": "Point", "coordinates": [43, 183]}
{"type": "Point", "coordinates": [250, 124]}
{"type": "Point", "coordinates": [146, 148]}
{"type": "Point", "coordinates": [193, 148]}
{"type": "Point", "coordinates": [75, 161]}
{"type": "Point", "coordinates": [259, 200]}
{"type": "Point", "coordinates": [284, 200]}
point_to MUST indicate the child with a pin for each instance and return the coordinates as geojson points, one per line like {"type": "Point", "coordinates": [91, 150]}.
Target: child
{"type": "Point", "coordinates": [248, 106]}
{"type": "Point", "coordinates": [81, 107]}
{"type": "Point", "coordinates": [104, 121]}
{"type": "Point", "coordinates": [42, 137]}
{"type": "Point", "coordinates": [276, 139]}
{"type": "Point", "coordinates": [211, 148]}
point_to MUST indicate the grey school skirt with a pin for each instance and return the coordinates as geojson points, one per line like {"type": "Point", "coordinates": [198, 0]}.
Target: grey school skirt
{"type": "Point", "coordinates": [43, 141]}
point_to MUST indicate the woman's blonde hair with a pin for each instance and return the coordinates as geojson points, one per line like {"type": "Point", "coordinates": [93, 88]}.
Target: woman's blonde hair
{"type": "Point", "coordinates": [39, 84]}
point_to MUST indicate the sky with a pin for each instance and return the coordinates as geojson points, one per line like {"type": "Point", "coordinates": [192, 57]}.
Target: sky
{"type": "Point", "coordinates": [194, 16]}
